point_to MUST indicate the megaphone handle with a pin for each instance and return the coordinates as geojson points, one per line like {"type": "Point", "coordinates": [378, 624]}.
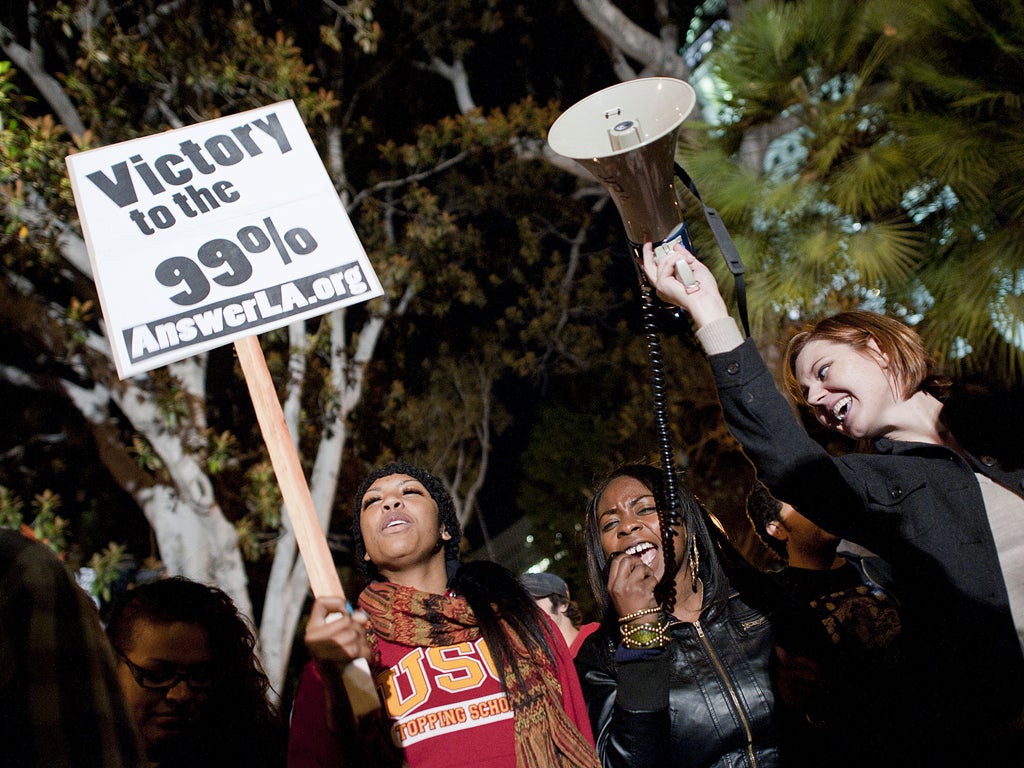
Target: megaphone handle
{"type": "Point", "coordinates": [683, 271]}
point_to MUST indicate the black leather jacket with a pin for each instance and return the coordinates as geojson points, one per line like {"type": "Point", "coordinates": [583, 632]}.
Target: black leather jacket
{"type": "Point", "coordinates": [705, 701]}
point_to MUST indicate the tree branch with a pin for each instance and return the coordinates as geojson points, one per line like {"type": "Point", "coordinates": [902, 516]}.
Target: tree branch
{"type": "Point", "coordinates": [31, 63]}
{"type": "Point", "coordinates": [454, 73]}
{"type": "Point", "coordinates": [658, 55]}
{"type": "Point", "coordinates": [395, 183]}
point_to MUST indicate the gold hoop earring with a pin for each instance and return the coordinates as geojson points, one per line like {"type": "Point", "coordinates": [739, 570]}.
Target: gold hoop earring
{"type": "Point", "coordinates": [694, 563]}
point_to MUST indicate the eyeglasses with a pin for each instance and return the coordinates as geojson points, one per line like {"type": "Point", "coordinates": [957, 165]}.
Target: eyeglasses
{"type": "Point", "coordinates": [200, 677]}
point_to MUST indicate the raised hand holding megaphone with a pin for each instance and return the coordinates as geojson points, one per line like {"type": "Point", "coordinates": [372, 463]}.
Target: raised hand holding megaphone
{"type": "Point", "coordinates": [701, 298]}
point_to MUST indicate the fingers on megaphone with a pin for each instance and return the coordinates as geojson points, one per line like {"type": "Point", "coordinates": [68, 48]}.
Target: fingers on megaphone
{"type": "Point", "coordinates": [678, 254]}
{"type": "Point", "coordinates": [685, 275]}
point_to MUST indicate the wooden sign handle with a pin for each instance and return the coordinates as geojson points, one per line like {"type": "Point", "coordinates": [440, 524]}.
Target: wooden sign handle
{"type": "Point", "coordinates": [298, 504]}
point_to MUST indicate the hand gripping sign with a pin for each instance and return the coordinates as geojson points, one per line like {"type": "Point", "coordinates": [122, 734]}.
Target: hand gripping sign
{"type": "Point", "coordinates": [212, 234]}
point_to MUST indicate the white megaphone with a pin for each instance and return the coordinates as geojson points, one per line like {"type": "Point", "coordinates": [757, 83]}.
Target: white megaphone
{"type": "Point", "coordinates": [625, 135]}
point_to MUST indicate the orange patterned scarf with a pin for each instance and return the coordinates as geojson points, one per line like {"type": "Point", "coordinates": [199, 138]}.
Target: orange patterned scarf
{"type": "Point", "coordinates": [545, 736]}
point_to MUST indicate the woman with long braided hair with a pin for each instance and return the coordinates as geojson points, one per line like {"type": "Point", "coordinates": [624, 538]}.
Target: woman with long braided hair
{"type": "Point", "coordinates": [469, 669]}
{"type": "Point", "coordinates": [679, 671]}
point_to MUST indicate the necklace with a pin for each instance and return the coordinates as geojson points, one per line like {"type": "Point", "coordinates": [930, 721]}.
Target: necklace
{"type": "Point", "coordinates": [686, 611]}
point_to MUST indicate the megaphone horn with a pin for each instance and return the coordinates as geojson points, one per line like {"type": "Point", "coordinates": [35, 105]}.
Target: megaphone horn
{"type": "Point", "coordinates": [626, 135]}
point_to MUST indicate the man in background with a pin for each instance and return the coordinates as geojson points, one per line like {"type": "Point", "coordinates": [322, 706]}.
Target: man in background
{"type": "Point", "coordinates": [839, 677]}
{"type": "Point", "coordinates": [552, 595]}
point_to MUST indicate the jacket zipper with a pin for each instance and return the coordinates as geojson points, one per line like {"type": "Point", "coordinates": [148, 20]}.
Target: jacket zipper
{"type": "Point", "coordinates": [732, 692]}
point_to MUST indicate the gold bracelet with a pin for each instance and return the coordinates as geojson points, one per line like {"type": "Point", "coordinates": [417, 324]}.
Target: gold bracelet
{"type": "Point", "coordinates": [629, 630]}
{"type": "Point", "coordinates": [647, 636]}
{"type": "Point", "coordinates": [637, 614]}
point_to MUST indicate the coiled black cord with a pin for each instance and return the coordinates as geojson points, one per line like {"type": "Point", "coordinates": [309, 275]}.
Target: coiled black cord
{"type": "Point", "coordinates": [669, 508]}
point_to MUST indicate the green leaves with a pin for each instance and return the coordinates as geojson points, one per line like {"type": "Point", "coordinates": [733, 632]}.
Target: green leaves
{"type": "Point", "coordinates": [106, 572]}
{"type": "Point", "coordinates": [10, 508]}
{"type": "Point", "coordinates": [45, 525]}
{"type": "Point", "coordinates": [881, 140]}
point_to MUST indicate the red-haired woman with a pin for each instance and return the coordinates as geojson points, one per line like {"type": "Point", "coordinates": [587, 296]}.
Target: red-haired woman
{"type": "Point", "coordinates": [949, 520]}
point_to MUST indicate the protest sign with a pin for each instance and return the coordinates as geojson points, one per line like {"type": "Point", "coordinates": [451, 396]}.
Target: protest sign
{"type": "Point", "coordinates": [211, 234]}
{"type": "Point", "coordinates": [203, 235]}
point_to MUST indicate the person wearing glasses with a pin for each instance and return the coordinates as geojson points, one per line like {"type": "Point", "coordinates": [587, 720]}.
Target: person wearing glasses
{"type": "Point", "coordinates": [191, 678]}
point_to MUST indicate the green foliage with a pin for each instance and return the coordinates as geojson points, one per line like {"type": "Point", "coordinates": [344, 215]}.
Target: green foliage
{"type": "Point", "coordinates": [172, 400]}
{"type": "Point", "coordinates": [106, 572]}
{"type": "Point", "coordinates": [145, 456]}
{"type": "Point", "coordinates": [264, 495]}
{"type": "Point", "coordinates": [10, 509]}
{"type": "Point", "coordinates": [129, 78]}
{"type": "Point", "coordinates": [221, 452]}
{"type": "Point", "coordinates": [894, 176]}
{"type": "Point", "coordinates": [45, 524]}
{"type": "Point", "coordinates": [249, 539]}
{"type": "Point", "coordinates": [32, 150]}
{"type": "Point", "coordinates": [358, 15]}
{"type": "Point", "coordinates": [258, 528]}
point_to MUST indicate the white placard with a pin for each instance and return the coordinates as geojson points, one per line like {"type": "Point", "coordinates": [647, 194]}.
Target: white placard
{"type": "Point", "coordinates": [206, 234]}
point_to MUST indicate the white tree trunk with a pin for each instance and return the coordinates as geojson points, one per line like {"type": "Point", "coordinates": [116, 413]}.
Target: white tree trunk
{"type": "Point", "coordinates": [197, 543]}
{"type": "Point", "coordinates": [658, 55]}
{"type": "Point", "coordinates": [194, 538]}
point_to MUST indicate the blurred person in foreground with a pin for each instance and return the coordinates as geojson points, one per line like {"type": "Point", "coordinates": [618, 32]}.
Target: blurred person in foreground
{"type": "Point", "coordinates": [189, 671]}
{"type": "Point", "coordinates": [60, 702]}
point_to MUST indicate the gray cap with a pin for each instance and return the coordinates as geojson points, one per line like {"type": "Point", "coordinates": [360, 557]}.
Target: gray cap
{"type": "Point", "coordinates": [544, 584]}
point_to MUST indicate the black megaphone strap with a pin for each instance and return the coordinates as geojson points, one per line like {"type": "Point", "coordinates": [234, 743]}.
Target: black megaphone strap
{"type": "Point", "coordinates": [725, 245]}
